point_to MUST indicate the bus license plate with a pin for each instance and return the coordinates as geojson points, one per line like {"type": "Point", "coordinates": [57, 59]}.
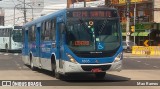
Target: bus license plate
{"type": "Point", "coordinates": [96, 70]}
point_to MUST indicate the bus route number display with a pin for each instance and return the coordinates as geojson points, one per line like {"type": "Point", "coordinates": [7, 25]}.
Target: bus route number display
{"type": "Point", "coordinates": [81, 43]}
{"type": "Point", "coordinates": [80, 14]}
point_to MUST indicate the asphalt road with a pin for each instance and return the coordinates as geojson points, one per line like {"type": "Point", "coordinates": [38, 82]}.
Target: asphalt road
{"type": "Point", "coordinates": [141, 63]}
{"type": "Point", "coordinates": [12, 68]}
{"type": "Point", "coordinates": [11, 61]}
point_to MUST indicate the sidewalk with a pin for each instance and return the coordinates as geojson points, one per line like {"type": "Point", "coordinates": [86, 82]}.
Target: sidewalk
{"type": "Point", "coordinates": [130, 55]}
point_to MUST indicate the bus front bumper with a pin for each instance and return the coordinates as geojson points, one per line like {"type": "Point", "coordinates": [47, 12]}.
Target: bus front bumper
{"type": "Point", "coordinates": [74, 68]}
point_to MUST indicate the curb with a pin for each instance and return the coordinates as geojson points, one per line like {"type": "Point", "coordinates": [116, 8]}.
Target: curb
{"type": "Point", "coordinates": [140, 57]}
{"type": "Point", "coordinates": [129, 55]}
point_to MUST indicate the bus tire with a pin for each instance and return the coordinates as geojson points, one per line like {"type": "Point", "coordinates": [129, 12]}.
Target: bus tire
{"type": "Point", "coordinates": [31, 63]}
{"type": "Point", "coordinates": [53, 64]}
{"type": "Point", "coordinates": [57, 75]}
{"type": "Point", "coordinates": [54, 68]}
{"type": "Point", "coordinates": [100, 74]}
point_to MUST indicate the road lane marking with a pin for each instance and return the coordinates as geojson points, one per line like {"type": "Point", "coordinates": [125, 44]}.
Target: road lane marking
{"type": "Point", "coordinates": [146, 64]}
{"type": "Point", "coordinates": [138, 61]}
{"type": "Point", "coordinates": [6, 54]}
{"type": "Point", "coordinates": [25, 67]}
{"type": "Point", "coordinates": [20, 67]}
{"type": "Point", "coordinates": [15, 54]}
{"type": "Point", "coordinates": [155, 66]}
{"type": "Point", "coordinates": [17, 64]}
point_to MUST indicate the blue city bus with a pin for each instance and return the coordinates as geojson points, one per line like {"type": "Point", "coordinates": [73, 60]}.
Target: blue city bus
{"type": "Point", "coordinates": [75, 40]}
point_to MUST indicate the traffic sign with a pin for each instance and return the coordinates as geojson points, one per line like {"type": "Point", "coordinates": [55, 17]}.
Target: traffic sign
{"type": "Point", "coordinates": [132, 28]}
{"type": "Point", "coordinates": [146, 43]}
{"type": "Point", "coordinates": [128, 33]}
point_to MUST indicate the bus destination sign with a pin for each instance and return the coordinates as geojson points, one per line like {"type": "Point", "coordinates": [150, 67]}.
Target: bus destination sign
{"type": "Point", "coordinates": [86, 14]}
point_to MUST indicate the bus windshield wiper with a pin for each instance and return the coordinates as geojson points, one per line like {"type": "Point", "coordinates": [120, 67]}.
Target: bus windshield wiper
{"type": "Point", "coordinates": [103, 25]}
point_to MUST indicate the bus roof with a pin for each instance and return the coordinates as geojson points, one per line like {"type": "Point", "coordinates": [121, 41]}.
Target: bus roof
{"type": "Point", "coordinates": [46, 17]}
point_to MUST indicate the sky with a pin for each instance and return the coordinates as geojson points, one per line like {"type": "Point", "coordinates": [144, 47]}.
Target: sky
{"type": "Point", "coordinates": [39, 7]}
{"type": "Point", "coordinates": [12, 3]}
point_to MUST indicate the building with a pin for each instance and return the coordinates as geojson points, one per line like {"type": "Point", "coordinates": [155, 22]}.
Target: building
{"type": "Point", "coordinates": [1, 16]}
{"type": "Point", "coordinates": [84, 3]}
{"type": "Point", "coordinates": [146, 17]}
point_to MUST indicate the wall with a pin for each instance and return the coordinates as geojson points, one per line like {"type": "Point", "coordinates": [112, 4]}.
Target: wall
{"type": "Point", "coordinates": [1, 16]}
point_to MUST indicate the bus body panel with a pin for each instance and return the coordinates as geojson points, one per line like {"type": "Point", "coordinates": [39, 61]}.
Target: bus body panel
{"type": "Point", "coordinates": [25, 42]}
{"type": "Point", "coordinates": [25, 48]}
{"type": "Point", "coordinates": [3, 42]}
{"type": "Point", "coordinates": [42, 51]}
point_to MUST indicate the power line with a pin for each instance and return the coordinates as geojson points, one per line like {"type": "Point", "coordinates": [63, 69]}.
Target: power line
{"type": "Point", "coordinates": [13, 19]}
{"type": "Point", "coordinates": [33, 8]}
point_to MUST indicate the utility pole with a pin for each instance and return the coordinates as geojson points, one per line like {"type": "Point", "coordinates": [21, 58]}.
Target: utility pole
{"type": "Point", "coordinates": [15, 13]}
{"type": "Point", "coordinates": [128, 21]}
{"type": "Point", "coordinates": [84, 3]}
{"type": "Point", "coordinates": [135, 21]}
{"type": "Point", "coordinates": [25, 11]}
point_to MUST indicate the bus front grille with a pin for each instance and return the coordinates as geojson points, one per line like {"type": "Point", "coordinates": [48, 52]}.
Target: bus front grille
{"type": "Point", "coordinates": [95, 55]}
{"type": "Point", "coordinates": [89, 68]}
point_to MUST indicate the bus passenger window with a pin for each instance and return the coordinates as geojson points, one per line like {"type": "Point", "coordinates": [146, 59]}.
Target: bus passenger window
{"type": "Point", "coordinates": [43, 29]}
{"type": "Point", "coordinates": [62, 27]}
{"type": "Point", "coordinates": [53, 30]}
{"type": "Point", "coordinates": [32, 34]}
{"type": "Point", "coordinates": [47, 31]}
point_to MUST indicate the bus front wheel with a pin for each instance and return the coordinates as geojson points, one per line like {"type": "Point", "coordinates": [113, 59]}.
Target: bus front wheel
{"type": "Point", "coordinates": [54, 70]}
{"type": "Point", "coordinates": [57, 75]}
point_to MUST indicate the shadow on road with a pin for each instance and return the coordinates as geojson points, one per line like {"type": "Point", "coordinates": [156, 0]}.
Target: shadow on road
{"type": "Point", "coordinates": [92, 78]}
{"type": "Point", "coordinates": [81, 77]}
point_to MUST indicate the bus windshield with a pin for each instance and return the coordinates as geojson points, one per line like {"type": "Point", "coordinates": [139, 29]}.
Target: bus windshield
{"type": "Point", "coordinates": [17, 35]}
{"type": "Point", "coordinates": [93, 35]}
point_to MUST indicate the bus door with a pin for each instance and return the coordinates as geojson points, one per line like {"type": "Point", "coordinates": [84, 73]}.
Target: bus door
{"type": "Point", "coordinates": [59, 43]}
{"type": "Point", "coordinates": [38, 39]}
{"type": "Point", "coordinates": [26, 44]}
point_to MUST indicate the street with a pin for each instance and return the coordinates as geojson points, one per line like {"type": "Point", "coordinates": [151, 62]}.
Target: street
{"type": "Point", "coordinates": [12, 68]}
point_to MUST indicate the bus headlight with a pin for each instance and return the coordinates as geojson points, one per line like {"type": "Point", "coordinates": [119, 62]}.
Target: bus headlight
{"type": "Point", "coordinates": [71, 58]}
{"type": "Point", "coordinates": [118, 58]}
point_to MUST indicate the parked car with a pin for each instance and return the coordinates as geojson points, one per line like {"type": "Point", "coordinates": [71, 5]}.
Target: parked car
{"type": "Point", "coordinates": [127, 46]}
